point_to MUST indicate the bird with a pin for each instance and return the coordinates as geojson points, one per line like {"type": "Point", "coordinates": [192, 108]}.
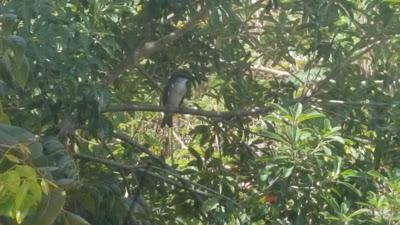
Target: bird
{"type": "Point", "coordinates": [174, 93]}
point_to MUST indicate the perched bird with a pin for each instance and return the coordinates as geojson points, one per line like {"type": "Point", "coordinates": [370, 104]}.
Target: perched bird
{"type": "Point", "coordinates": [174, 94]}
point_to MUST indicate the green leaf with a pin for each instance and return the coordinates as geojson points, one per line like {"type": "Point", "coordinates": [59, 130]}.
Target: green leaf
{"type": "Point", "coordinates": [58, 155]}
{"type": "Point", "coordinates": [287, 171]}
{"type": "Point", "coordinates": [336, 139]}
{"type": "Point", "coordinates": [8, 18]}
{"type": "Point", "coordinates": [64, 181]}
{"type": "Point", "coordinates": [72, 7]}
{"type": "Point", "coordinates": [376, 174]}
{"type": "Point", "coordinates": [52, 145]}
{"type": "Point", "coordinates": [359, 212]}
{"type": "Point", "coordinates": [35, 190]}
{"type": "Point", "coordinates": [351, 187]}
{"type": "Point", "coordinates": [21, 196]}
{"type": "Point", "coordinates": [36, 150]}
{"type": "Point", "coordinates": [298, 109]}
{"type": "Point", "coordinates": [274, 136]}
{"type": "Point", "coordinates": [12, 158]}
{"type": "Point", "coordinates": [197, 156]}
{"type": "Point", "coordinates": [49, 208]}
{"type": "Point", "coordinates": [4, 89]}
{"type": "Point", "coordinates": [327, 124]}
{"type": "Point", "coordinates": [103, 98]}
{"type": "Point", "coordinates": [274, 119]}
{"type": "Point", "coordinates": [264, 176]}
{"type": "Point", "coordinates": [120, 9]}
{"type": "Point", "coordinates": [11, 179]}
{"type": "Point", "coordinates": [45, 186]}
{"type": "Point", "coordinates": [350, 173]}
{"type": "Point", "coordinates": [17, 43]}
{"type": "Point", "coordinates": [102, 128]}
{"type": "Point", "coordinates": [73, 219]}
{"type": "Point", "coordinates": [309, 116]}
{"type": "Point", "coordinates": [3, 116]}
{"type": "Point", "coordinates": [327, 150]}
{"type": "Point", "coordinates": [26, 171]}
{"type": "Point", "coordinates": [20, 70]}
{"type": "Point", "coordinates": [278, 107]}
{"type": "Point", "coordinates": [332, 203]}
{"type": "Point", "coordinates": [293, 134]}
{"type": "Point", "coordinates": [210, 204]}
{"type": "Point", "coordinates": [13, 135]}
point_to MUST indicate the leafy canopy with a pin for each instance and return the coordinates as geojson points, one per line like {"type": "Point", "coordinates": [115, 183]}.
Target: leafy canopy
{"type": "Point", "coordinates": [293, 115]}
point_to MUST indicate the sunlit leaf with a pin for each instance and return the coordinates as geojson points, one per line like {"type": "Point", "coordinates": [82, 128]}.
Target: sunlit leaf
{"type": "Point", "coordinates": [298, 109]}
{"type": "Point", "coordinates": [309, 116]}
{"type": "Point", "coordinates": [44, 186]}
{"type": "Point", "coordinates": [22, 192]}
{"type": "Point", "coordinates": [12, 158]}
{"type": "Point", "coordinates": [274, 136]}
{"type": "Point", "coordinates": [26, 171]}
{"type": "Point", "coordinates": [287, 171]}
{"type": "Point", "coordinates": [210, 204]}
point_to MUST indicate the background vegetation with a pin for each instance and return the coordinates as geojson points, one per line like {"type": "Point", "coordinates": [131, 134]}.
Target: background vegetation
{"type": "Point", "coordinates": [307, 95]}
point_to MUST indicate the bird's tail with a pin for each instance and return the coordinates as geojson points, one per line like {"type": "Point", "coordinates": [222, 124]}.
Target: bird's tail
{"type": "Point", "coordinates": [167, 120]}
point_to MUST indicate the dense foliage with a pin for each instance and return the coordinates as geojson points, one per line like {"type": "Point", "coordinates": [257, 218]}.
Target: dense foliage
{"type": "Point", "coordinates": [307, 95]}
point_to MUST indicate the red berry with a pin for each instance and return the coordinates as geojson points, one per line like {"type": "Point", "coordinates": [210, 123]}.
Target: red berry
{"type": "Point", "coordinates": [272, 199]}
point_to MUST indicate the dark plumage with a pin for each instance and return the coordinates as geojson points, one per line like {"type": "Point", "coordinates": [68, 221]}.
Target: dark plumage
{"type": "Point", "coordinates": [174, 94]}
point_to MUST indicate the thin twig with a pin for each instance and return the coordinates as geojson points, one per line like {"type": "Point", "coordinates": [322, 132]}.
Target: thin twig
{"type": "Point", "coordinates": [178, 139]}
{"type": "Point", "coordinates": [279, 73]}
{"type": "Point", "coordinates": [225, 115]}
{"type": "Point", "coordinates": [342, 102]}
{"type": "Point", "coordinates": [124, 166]}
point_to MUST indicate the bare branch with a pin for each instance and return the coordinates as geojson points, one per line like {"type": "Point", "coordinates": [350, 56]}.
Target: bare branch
{"type": "Point", "coordinates": [126, 167]}
{"type": "Point", "coordinates": [179, 140]}
{"type": "Point", "coordinates": [112, 163]}
{"type": "Point", "coordinates": [106, 162]}
{"type": "Point", "coordinates": [149, 48]}
{"type": "Point", "coordinates": [279, 73]}
{"type": "Point", "coordinates": [5, 146]}
{"type": "Point", "coordinates": [342, 102]}
{"type": "Point", "coordinates": [225, 115]}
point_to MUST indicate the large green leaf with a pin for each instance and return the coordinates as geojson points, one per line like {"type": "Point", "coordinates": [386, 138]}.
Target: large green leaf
{"type": "Point", "coordinates": [12, 135]}
{"type": "Point", "coordinates": [49, 208]}
{"type": "Point", "coordinates": [73, 219]}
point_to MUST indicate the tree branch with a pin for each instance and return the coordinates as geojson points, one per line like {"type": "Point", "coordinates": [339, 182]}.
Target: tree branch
{"type": "Point", "coordinates": [185, 183]}
{"type": "Point", "coordinates": [164, 178]}
{"type": "Point", "coordinates": [125, 167]}
{"type": "Point", "coordinates": [149, 48]}
{"type": "Point", "coordinates": [224, 115]}
{"type": "Point", "coordinates": [279, 73]}
{"type": "Point", "coordinates": [106, 162]}
{"type": "Point", "coordinates": [343, 102]}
